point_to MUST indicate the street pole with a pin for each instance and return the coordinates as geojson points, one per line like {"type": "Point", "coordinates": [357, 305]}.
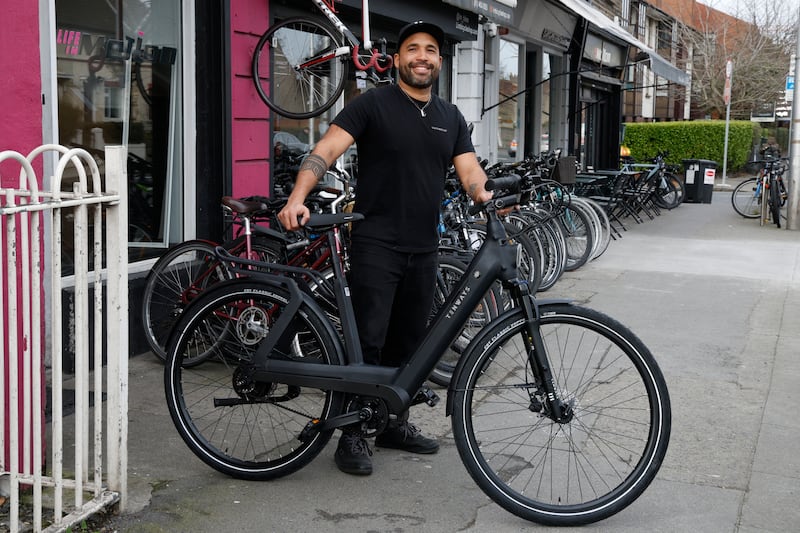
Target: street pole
{"type": "Point", "coordinates": [793, 221]}
{"type": "Point", "coordinates": [727, 96]}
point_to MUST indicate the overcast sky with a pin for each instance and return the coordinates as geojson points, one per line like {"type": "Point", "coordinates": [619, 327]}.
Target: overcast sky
{"type": "Point", "coordinates": [743, 6]}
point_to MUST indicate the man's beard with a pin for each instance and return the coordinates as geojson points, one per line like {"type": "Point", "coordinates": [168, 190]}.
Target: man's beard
{"type": "Point", "coordinates": [411, 80]}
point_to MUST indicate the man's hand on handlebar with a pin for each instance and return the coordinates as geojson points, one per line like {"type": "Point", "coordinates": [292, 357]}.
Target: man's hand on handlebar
{"type": "Point", "coordinates": [293, 216]}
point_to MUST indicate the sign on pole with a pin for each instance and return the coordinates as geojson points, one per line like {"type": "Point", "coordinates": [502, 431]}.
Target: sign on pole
{"type": "Point", "coordinates": [726, 95]}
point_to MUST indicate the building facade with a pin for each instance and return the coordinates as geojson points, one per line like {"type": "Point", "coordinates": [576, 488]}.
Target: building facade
{"type": "Point", "coordinates": [172, 80]}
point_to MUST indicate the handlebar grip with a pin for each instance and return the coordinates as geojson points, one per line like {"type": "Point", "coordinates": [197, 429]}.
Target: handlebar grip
{"type": "Point", "coordinates": [496, 203]}
{"type": "Point", "coordinates": [509, 181]}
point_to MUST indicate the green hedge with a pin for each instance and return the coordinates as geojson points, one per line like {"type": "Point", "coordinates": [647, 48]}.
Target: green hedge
{"type": "Point", "coordinates": [693, 140]}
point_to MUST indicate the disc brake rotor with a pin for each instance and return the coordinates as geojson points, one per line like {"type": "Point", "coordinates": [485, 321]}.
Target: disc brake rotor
{"type": "Point", "coordinates": [252, 326]}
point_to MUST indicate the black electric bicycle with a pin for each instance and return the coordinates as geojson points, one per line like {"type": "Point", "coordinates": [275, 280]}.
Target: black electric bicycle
{"type": "Point", "coordinates": [560, 413]}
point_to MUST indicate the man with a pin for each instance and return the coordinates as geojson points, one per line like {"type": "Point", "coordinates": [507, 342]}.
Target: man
{"type": "Point", "coordinates": [407, 139]}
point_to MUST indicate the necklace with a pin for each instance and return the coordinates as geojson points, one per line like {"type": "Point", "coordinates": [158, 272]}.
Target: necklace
{"type": "Point", "coordinates": [414, 102]}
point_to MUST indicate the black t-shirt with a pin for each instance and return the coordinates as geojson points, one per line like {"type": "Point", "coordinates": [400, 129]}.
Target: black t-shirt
{"type": "Point", "coordinates": [403, 159]}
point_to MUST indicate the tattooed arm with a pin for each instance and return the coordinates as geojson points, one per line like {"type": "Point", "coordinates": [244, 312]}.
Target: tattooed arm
{"type": "Point", "coordinates": [331, 146]}
{"type": "Point", "coordinates": [472, 176]}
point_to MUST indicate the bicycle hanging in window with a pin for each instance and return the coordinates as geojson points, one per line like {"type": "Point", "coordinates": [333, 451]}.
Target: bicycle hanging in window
{"type": "Point", "coordinates": [300, 64]}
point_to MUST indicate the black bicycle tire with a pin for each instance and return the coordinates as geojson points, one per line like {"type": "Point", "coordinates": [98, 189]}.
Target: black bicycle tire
{"type": "Point", "coordinates": [493, 445]}
{"type": "Point", "coordinates": [737, 192]}
{"type": "Point", "coordinates": [164, 298]}
{"type": "Point", "coordinates": [204, 425]}
{"type": "Point", "coordinates": [269, 96]}
{"type": "Point", "coordinates": [543, 231]}
{"type": "Point", "coordinates": [775, 202]}
{"type": "Point", "coordinates": [488, 309]}
{"type": "Point", "coordinates": [578, 252]}
{"type": "Point", "coordinates": [674, 185]}
{"type": "Point", "coordinates": [605, 223]}
{"type": "Point", "coordinates": [163, 295]}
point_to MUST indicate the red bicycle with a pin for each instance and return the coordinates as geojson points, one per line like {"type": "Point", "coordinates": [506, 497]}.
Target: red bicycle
{"type": "Point", "coordinates": [300, 64]}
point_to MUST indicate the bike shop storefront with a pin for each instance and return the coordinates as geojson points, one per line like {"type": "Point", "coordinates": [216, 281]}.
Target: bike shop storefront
{"type": "Point", "coordinates": [526, 86]}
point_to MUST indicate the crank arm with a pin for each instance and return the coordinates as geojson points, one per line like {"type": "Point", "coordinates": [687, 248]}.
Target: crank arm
{"type": "Point", "coordinates": [316, 425]}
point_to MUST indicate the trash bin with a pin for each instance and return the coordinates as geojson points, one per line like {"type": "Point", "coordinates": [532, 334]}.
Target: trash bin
{"type": "Point", "coordinates": [699, 179]}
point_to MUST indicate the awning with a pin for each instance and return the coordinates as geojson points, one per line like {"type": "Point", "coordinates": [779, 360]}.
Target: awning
{"type": "Point", "coordinates": [659, 65]}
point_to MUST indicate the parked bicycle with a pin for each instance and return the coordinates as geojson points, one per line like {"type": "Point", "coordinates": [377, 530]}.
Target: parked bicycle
{"type": "Point", "coordinates": [560, 413]}
{"type": "Point", "coordinates": [764, 195]}
{"type": "Point", "coordinates": [300, 64]}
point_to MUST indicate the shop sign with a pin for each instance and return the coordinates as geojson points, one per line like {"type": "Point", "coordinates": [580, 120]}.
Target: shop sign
{"type": "Point", "coordinates": [498, 11]}
{"type": "Point", "coordinates": [97, 48]}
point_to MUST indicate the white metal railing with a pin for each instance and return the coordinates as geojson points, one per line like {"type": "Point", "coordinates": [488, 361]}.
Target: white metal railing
{"type": "Point", "coordinates": [58, 470]}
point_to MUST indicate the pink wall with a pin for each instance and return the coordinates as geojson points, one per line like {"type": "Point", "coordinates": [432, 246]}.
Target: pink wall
{"type": "Point", "coordinates": [21, 131]}
{"type": "Point", "coordinates": [252, 149]}
{"type": "Point", "coordinates": [20, 83]}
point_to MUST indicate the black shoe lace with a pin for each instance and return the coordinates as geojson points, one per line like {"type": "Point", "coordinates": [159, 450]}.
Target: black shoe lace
{"type": "Point", "coordinates": [358, 446]}
{"type": "Point", "coordinates": [409, 431]}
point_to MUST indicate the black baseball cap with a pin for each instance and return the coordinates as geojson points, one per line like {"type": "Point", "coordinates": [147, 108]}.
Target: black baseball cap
{"type": "Point", "coordinates": [424, 27]}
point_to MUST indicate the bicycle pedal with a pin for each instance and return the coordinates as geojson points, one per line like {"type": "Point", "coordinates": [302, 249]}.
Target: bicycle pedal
{"type": "Point", "coordinates": [425, 395]}
{"type": "Point", "coordinates": [310, 431]}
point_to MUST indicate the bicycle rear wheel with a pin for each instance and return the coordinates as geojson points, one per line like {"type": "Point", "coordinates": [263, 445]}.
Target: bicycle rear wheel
{"type": "Point", "coordinates": [746, 198]}
{"type": "Point", "coordinates": [176, 279]}
{"type": "Point", "coordinates": [242, 427]}
{"type": "Point", "coordinates": [669, 192]}
{"type": "Point", "coordinates": [181, 274]}
{"type": "Point", "coordinates": [295, 69]}
{"type": "Point", "coordinates": [578, 471]}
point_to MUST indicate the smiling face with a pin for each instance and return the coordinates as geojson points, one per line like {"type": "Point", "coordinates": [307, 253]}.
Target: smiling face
{"type": "Point", "coordinates": [418, 61]}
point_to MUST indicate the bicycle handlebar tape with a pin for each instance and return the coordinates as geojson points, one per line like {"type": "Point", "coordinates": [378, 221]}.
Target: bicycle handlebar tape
{"type": "Point", "coordinates": [509, 182]}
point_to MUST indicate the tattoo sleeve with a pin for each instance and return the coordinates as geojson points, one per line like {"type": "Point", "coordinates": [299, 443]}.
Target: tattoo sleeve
{"type": "Point", "coordinates": [315, 164]}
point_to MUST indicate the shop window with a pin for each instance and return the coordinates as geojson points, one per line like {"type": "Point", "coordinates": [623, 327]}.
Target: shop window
{"type": "Point", "coordinates": [508, 138]}
{"type": "Point", "coordinates": [118, 82]}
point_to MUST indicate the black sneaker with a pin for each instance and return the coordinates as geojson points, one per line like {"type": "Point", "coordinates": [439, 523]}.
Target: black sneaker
{"type": "Point", "coordinates": [353, 455]}
{"type": "Point", "coordinates": [406, 437]}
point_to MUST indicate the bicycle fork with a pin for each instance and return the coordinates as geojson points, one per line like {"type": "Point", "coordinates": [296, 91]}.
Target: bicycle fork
{"type": "Point", "coordinates": [554, 408]}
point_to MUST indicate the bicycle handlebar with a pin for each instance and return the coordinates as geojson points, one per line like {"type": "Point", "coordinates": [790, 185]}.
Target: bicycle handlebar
{"type": "Point", "coordinates": [509, 181]}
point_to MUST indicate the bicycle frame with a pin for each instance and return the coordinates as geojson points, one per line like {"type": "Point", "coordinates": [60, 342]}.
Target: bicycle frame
{"type": "Point", "coordinates": [496, 260]}
{"type": "Point", "coordinates": [326, 7]}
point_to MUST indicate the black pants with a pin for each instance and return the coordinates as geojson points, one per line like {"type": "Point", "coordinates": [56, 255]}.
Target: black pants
{"type": "Point", "coordinates": [392, 294]}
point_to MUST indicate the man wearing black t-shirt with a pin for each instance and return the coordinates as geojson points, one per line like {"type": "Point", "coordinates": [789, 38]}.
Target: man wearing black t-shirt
{"type": "Point", "coordinates": [407, 139]}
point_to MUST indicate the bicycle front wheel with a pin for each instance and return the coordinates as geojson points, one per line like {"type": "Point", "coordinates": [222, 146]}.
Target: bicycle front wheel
{"type": "Point", "coordinates": [242, 427]}
{"type": "Point", "coordinates": [569, 473]}
{"type": "Point", "coordinates": [296, 70]}
{"type": "Point", "coordinates": [775, 202]}
{"type": "Point", "coordinates": [746, 198]}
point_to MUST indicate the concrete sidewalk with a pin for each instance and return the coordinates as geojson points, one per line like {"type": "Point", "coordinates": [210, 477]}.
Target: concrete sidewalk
{"type": "Point", "coordinates": [715, 297]}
